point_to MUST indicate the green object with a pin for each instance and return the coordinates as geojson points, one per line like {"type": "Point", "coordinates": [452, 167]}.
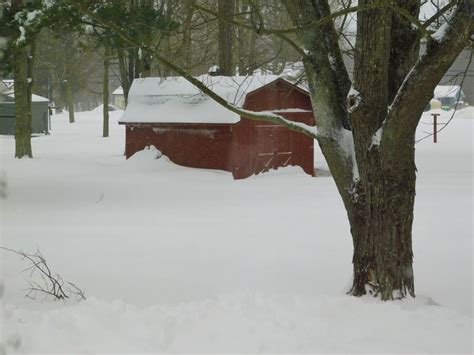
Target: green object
{"type": "Point", "coordinates": [40, 121]}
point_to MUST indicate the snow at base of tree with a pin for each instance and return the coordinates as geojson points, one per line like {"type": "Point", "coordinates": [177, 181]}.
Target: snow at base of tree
{"type": "Point", "coordinates": [174, 259]}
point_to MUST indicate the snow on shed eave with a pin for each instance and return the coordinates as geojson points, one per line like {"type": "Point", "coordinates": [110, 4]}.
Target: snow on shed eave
{"type": "Point", "coordinates": [447, 91]}
{"type": "Point", "coordinates": [118, 91]}
{"type": "Point", "coordinates": [34, 97]}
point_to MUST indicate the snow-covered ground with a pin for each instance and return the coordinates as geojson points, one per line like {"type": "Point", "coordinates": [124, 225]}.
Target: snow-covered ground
{"type": "Point", "coordinates": [174, 259]}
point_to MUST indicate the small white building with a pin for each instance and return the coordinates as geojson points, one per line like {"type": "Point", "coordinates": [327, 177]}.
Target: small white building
{"type": "Point", "coordinates": [118, 98]}
{"type": "Point", "coordinates": [449, 95]}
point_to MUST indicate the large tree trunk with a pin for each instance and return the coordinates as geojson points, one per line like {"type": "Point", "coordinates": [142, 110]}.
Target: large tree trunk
{"type": "Point", "coordinates": [69, 76]}
{"type": "Point", "coordinates": [23, 69]}
{"type": "Point", "coordinates": [382, 212]}
{"type": "Point", "coordinates": [70, 100]}
{"type": "Point", "coordinates": [105, 93]}
{"type": "Point", "coordinates": [22, 104]}
{"type": "Point", "coordinates": [369, 148]}
{"type": "Point", "coordinates": [144, 63]}
{"type": "Point", "coordinates": [187, 35]}
{"type": "Point", "coordinates": [124, 78]}
{"type": "Point", "coordinates": [246, 43]}
{"type": "Point", "coordinates": [381, 224]}
{"type": "Point", "coordinates": [225, 37]}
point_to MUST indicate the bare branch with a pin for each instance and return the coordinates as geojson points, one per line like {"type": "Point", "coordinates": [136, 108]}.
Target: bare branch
{"type": "Point", "coordinates": [261, 30]}
{"type": "Point", "coordinates": [52, 284]}
{"type": "Point", "coordinates": [439, 13]}
{"type": "Point", "coordinates": [441, 52]}
{"type": "Point", "coordinates": [403, 12]}
{"type": "Point", "coordinates": [455, 107]}
{"type": "Point", "coordinates": [258, 116]}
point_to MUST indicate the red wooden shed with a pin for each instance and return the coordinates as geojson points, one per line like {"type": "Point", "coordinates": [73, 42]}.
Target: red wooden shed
{"type": "Point", "coordinates": [194, 131]}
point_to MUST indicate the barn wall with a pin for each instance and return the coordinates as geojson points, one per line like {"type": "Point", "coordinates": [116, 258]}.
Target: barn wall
{"type": "Point", "coordinates": [192, 145]}
{"type": "Point", "coordinates": [277, 96]}
{"type": "Point", "coordinates": [261, 146]}
{"type": "Point", "coordinates": [245, 148]}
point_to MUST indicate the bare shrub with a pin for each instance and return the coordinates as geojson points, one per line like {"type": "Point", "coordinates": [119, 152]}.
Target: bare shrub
{"type": "Point", "coordinates": [43, 281]}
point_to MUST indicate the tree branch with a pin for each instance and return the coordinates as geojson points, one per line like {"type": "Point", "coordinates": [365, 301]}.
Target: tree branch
{"type": "Point", "coordinates": [439, 13]}
{"type": "Point", "coordinates": [337, 150]}
{"type": "Point", "coordinates": [418, 87]}
{"type": "Point", "coordinates": [258, 116]}
{"type": "Point", "coordinates": [261, 30]}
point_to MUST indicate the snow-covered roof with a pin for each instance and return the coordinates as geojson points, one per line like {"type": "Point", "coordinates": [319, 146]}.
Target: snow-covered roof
{"type": "Point", "coordinates": [7, 86]}
{"type": "Point", "coordinates": [176, 100]}
{"type": "Point", "coordinates": [118, 91]}
{"type": "Point", "coordinates": [8, 83]}
{"type": "Point", "coordinates": [3, 87]}
{"type": "Point", "coordinates": [447, 91]}
{"type": "Point", "coordinates": [34, 98]}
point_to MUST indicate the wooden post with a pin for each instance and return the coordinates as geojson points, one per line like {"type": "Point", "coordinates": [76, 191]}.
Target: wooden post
{"type": "Point", "coordinates": [435, 127]}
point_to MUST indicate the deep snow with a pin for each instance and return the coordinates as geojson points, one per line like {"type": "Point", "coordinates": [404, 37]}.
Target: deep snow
{"type": "Point", "coordinates": [187, 260]}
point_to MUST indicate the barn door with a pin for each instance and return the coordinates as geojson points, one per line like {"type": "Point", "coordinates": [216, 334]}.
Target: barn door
{"type": "Point", "coordinates": [273, 148]}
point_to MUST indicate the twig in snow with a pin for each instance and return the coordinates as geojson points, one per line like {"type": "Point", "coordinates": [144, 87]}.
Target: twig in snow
{"type": "Point", "coordinates": [51, 285]}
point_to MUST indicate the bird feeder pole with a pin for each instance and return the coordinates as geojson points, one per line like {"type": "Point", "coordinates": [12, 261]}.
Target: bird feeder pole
{"type": "Point", "coordinates": [435, 127]}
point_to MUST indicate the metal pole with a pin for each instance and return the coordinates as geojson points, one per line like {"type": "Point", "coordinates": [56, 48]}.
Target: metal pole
{"type": "Point", "coordinates": [435, 127]}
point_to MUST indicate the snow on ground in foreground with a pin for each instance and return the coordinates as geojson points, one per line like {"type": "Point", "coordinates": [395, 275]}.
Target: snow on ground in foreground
{"type": "Point", "coordinates": [188, 260]}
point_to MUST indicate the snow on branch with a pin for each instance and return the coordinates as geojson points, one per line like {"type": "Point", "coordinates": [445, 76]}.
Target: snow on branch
{"type": "Point", "coordinates": [272, 117]}
{"type": "Point", "coordinates": [28, 23]}
{"type": "Point", "coordinates": [377, 137]}
{"type": "Point", "coordinates": [420, 82]}
{"type": "Point", "coordinates": [440, 33]}
{"type": "Point", "coordinates": [346, 142]}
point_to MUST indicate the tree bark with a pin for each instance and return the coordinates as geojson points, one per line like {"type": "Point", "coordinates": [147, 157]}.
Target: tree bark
{"type": "Point", "coordinates": [381, 225]}
{"type": "Point", "coordinates": [105, 93]}
{"type": "Point", "coordinates": [187, 35]}
{"type": "Point", "coordinates": [379, 197]}
{"type": "Point", "coordinates": [124, 78]}
{"type": "Point", "coordinates": [69, 77]}
{"type": "Point", "coordinates": [225, 38]}
{"type": "Point", "coordinates": [22, 68]}
{"type": "Point", "coordinates": [22, 104]}
{"type": "Point", "coordinates": [245, 46]}
{"type": "Point", "coordinates": [70, 101]}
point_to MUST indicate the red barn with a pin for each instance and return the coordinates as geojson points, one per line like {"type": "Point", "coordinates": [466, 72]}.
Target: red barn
{"type": "Point", "coordinates": [194, 131]}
